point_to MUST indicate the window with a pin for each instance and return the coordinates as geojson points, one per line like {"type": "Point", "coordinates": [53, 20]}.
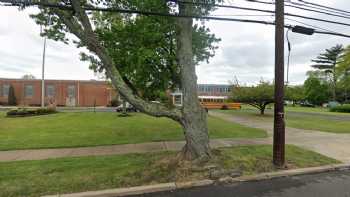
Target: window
{"type": "Point", "coordinates": [50, 91]}
{"type": "Point", "coordinates": [28, 91]}
{"type": "Point", "coordinates": [5, 90]}
{"type": "Point", "coordinates": [71, 91]}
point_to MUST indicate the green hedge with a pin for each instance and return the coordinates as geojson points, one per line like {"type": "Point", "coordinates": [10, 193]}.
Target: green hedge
{"type": "Point", "coordinates": [341, 108]}
{"type": "Point", "coordinates": [30, 112]}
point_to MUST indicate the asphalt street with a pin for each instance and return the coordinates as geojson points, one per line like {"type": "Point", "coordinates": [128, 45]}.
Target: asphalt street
{"type": "Point", "coordinates": [331, 184]}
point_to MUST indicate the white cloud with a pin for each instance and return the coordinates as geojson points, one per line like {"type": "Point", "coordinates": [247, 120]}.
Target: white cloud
{"type": "Point", "coordinates": [246, 50]}
{"type": "Point", "coordinates": [22, 47]}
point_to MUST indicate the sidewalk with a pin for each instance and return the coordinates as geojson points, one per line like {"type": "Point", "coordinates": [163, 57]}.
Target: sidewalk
{"type": "Point", "coordinates": [40, 154]}
{"type": "Point", "coordinates": [333, 145]}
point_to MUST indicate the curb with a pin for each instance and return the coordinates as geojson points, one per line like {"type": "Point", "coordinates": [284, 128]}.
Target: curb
{"type": "Point", "coordinates": [286, 173]}
{"type": "Point", "coordinates": [122, 191]}
{"type": "Point", "coordinates": [201, 183]}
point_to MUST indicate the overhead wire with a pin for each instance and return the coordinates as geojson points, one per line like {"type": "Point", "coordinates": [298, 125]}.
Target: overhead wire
{"type": "Point", "coordinates": [323, 6]}
{"type": "Point", "coordinates": [149, 13]}
{"type": "Point", "coordinates": [261, 10]}
{"type": "Point", "coordinates": [318, 8]}
{"type": "Point", "coordinates": [310, 25]}
{"type": "Point", "coordinates": [303, 8]}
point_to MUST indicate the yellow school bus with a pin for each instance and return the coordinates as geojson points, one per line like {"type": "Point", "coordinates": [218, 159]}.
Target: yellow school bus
{"type": "Point", "coordinates": [217, 102]}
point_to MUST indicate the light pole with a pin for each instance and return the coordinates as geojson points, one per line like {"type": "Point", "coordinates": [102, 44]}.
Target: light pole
{"type": "Point", "coordinates": [43, 67]}
{"type": "Point", "coordinates": [43, 76]}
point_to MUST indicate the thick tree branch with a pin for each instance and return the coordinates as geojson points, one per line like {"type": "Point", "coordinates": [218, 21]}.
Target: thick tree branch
{"type": "Point", "coordinates": [87, 36]}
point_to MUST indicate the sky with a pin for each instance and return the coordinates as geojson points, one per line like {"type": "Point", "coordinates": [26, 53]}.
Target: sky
{"type": "Point", "coordinates": [246, 51]}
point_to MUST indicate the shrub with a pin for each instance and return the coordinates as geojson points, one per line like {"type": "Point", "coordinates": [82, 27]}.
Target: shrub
{"type": "Point", "coordinates": [341, 108]}
{"type": "Point", "coordinates": [30, 112]}
{"type": "Point", "coordinates": [115, 102]}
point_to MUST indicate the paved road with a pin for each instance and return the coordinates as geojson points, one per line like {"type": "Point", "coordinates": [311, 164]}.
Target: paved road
{"type": "Point", "coordinates": [334, 184]}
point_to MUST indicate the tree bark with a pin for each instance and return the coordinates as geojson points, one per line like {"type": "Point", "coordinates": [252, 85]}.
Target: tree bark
{"type": "Point", "coordinates": [194, 119]}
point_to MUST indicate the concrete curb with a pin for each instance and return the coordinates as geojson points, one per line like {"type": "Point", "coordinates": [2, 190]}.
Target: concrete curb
{"type": "Point", "coordinates": [286, 173]}
{"type": "Point", "coordinates": [201, 183]}
{"type": "Point", "coordinates": [122, 191]}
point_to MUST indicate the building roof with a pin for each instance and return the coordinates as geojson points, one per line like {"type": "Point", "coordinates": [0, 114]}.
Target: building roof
{"type": "Point", "coordinates": [55, 80]}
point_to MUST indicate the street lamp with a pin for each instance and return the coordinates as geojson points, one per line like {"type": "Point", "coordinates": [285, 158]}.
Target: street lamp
{"type": "Point", "coordinates": [43, 76]}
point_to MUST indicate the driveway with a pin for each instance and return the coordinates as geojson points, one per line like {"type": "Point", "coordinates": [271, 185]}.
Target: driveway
{"type": "Point", "coordinates": [333, 145]}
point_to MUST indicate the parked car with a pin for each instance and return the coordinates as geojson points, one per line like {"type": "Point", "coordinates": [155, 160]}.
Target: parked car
{"type": "Point", "coordinates": [129, 108]}
{"type": "Point", "coordinates": [306, 104]}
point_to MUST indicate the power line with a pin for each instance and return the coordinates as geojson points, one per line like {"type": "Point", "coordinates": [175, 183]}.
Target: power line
{"type": "Point", "coordinates": [148, 13]}
{"type": "Point", "coordinates": [247, 15]}
{"type": "Point", "coordinates": [303, 8]}
{"type": "Point", "coordinates": [318, 8]}
{"type": "Point", "coordinates": [314, 26]}
{"type": "Point", "coordinates": [203, 4]}
{"type": "Point", "coordinates": [262, 10]}
{"type": "Point", "coordinates": [319, 5]}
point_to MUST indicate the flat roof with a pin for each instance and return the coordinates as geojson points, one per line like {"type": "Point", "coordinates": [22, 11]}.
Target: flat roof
{"type": "Point", "coordinates": [65, 80]}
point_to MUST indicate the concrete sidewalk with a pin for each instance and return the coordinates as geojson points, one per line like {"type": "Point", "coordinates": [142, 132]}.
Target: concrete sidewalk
{"type": "Point", "coordinates": [40, 154]}
{"type": "Point", "coordinates": [333, 145]}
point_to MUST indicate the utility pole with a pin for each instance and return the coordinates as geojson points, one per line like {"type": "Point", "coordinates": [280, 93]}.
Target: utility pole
{"type": "Point", "coordinates": [279, 124]}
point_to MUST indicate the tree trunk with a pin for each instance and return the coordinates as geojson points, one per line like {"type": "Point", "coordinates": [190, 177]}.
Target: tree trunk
{"type": "Point", "coordinates": [334, 92]}
{"type": "Point", "coordinates": [196, 134]}
{"type": "Point", "coordinates": [262, 111]}
{"type": "Point", "coordinates": [124, 107]}
{"type": "Point", "coordinates": [194, 120]}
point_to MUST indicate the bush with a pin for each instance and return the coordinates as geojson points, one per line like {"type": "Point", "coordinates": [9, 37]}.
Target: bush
{"type": "Point", "coordinates": [30, 112]}
{"type": "Point", "coordinates": [341, 108]}
{"type": "Point", "coordinates": [115, 102]}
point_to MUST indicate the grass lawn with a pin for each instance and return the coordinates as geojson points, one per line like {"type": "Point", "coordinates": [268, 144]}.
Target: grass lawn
{"type": "Point", "coordinates": [317, 110]}
{"type": "Point", "coordinates": [303, 119]}
{"type": "Point", "coordinates": [103, 128]}
{"type": "Point", "coordinates": [54, 176]}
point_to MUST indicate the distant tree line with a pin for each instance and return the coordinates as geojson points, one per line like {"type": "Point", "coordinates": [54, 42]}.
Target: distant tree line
{"type": "Point", "coordinates": [329, 81]}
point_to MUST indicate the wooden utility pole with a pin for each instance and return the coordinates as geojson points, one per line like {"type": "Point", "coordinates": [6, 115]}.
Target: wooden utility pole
{"type": "Point", "coordinates": [279, 124]}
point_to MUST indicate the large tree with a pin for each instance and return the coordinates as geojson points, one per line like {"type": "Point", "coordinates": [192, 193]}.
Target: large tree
{"type": "Point", "coordinates": [191, 116]}
{"type": "Point", "coordinates": [316, 91]}
{"type": "Point", "coordinates": [328, 62]}
{"type": "Point", "coordinates": [144, 47]}
{"type": "Point", "coordinates": [258, 96]}
{"type": "Point", "coordinates": [344, 73]}
{"type": "Point", "coordinates": [296, 94]}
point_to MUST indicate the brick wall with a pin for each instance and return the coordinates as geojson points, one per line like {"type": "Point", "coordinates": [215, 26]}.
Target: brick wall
{"type": "Point", "coordinates": [86, 92]}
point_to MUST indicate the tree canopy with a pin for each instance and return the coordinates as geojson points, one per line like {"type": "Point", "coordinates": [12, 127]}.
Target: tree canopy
{"type": "Point", "coordinates": [144, 47]}
{"type": "Point", "coordinates": [258, 96]}
{"type": "Point", "coordinates": [316, 92]}
{"type": "Point", "coordinates": [328, 62]}
{"type": "Point", "coordinates": [295, 94]}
